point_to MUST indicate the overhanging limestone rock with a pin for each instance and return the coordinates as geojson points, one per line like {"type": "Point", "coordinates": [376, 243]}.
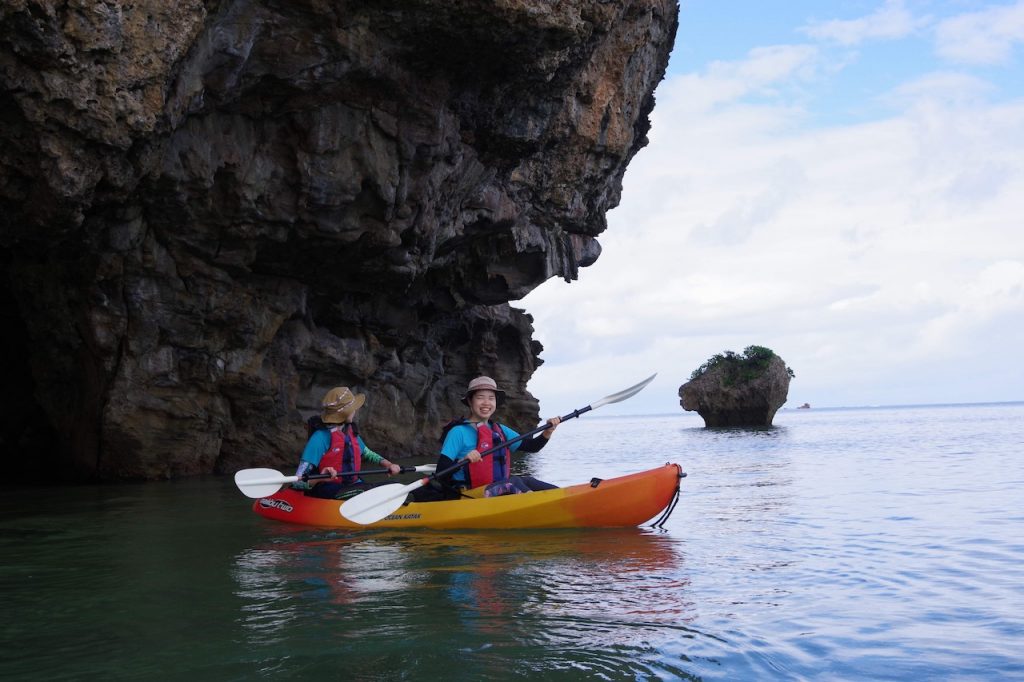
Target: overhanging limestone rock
{"type": "Point", "coordinates": [211, 213]}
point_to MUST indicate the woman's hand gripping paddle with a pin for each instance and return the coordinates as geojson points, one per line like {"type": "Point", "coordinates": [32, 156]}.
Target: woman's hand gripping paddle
{"type": "Point", "coordinates": [376, 503]}
{"type": "Point", "coordinates": [257, 483]}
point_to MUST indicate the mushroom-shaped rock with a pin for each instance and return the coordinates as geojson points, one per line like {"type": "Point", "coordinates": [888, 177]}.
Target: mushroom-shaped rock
{"type": "Point", "coordinates": [738, 390]}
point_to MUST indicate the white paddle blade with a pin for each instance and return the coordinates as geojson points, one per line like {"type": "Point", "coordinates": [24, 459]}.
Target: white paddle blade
{"type": "Point", "coordinates": [624, 394]}
{"type": "Point", "coordinates": [376, 503]}
{"type": "Point", "coordinates": [257, 483]}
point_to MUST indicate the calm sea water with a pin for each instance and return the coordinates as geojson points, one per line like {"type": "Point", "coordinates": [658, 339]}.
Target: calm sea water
{"type": "Point", "coordinates": [841, 544]}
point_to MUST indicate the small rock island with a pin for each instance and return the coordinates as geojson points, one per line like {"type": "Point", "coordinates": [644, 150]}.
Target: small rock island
{"type": "Point", "coordinates": [733, 389]}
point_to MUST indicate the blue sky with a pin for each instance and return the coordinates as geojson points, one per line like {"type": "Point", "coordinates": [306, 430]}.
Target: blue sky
{"type": "Point", "coordinates": [841, 182]}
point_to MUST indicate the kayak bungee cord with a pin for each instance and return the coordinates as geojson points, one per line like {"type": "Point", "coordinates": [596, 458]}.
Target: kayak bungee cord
{"type": "Point", "coordinates": [660, 523]}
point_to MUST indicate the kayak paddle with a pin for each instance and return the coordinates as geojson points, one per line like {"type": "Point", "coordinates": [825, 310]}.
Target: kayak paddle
{"type": "Point", "coordinates": [256, 483]}
{"type": "Point", "coordinates": [376, 503]}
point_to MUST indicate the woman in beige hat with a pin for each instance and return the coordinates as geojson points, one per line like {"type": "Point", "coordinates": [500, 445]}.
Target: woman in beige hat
{"type": "Point", "coordinates": [335, 447]}
{"type": "Point", "coordinates": [467, 437]}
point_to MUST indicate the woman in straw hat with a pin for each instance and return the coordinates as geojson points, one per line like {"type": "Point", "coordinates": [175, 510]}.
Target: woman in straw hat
{"type": "Point", "coordinates": [467, 437]}
{"type": "Point", "coordinates": [336, 448]}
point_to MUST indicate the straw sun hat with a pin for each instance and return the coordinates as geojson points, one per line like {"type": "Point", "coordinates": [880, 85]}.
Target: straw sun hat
{"type": "Point", "coordinates": [340, 404]}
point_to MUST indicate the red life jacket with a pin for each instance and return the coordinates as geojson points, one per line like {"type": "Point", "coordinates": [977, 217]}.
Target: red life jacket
{"type": "Point", "coordinates": [344, 454]}
{"type": "Point", "coordinates": [494, 467]}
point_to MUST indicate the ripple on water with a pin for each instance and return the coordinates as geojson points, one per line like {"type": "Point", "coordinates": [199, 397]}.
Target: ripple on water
{"type": "Point", "coordinates": [876, 544]}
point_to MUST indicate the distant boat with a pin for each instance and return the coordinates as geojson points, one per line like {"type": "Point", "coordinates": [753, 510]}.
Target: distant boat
{"type": "Point", "coordinates": [805, 406]}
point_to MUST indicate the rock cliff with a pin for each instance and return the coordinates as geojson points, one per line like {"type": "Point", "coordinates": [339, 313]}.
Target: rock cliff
{"type": "Point", "coordinates": [213, 211]}
{"type": "Point", "coordinates": [722, 400]}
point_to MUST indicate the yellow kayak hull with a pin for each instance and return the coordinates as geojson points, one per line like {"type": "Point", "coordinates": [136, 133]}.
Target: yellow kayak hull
{"type": "Point", "coordinates": [615, 502]}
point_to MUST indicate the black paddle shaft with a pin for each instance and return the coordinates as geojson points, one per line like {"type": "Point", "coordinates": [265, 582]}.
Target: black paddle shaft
{"type": "Point", "coordinates": [505, 444]}
{"type": "Point", "coordinates": [314, 477]}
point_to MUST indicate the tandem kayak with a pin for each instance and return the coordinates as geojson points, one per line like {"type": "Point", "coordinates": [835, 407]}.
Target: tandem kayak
{"type": "Point", "coordinates": [602, 503]}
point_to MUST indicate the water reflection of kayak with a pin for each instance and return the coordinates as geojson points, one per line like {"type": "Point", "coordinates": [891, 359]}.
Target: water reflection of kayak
{"type": "Point", "coordinates": [296, 572]}
{"type": "Point", "coordinates": [624, 501]}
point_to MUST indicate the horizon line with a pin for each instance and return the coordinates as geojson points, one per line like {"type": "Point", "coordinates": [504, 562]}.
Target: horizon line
{"type": "Point", "coordinates": [827, 407]}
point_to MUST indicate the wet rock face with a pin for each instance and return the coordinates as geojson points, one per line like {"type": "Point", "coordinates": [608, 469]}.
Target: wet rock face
{"type": "Point", "coordinates": [212, 212]}
{"type": "Point", "coordinates": [748, 403]}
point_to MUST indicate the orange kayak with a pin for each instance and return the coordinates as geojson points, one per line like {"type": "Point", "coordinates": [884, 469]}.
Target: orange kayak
{"type": "Point", "coordinates": [623, 501]}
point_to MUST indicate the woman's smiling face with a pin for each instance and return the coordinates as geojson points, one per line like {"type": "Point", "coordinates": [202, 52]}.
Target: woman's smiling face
{"type": "Point", "coordinates": [483, 403]}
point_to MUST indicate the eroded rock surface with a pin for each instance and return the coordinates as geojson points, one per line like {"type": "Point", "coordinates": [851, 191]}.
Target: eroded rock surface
{"type": "Point", "coordinates": [211, 212]}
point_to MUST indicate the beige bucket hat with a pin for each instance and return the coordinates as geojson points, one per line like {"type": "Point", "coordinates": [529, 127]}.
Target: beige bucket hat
{"type": "Point", "coordinates": [480, 384]}
{"type": "Point", "coordinates": [340, 404]}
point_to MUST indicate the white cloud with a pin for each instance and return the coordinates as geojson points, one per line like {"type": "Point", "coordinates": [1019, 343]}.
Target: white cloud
{"type": "Point", "coordinates": [985, 37]}
{"type": "Point", "coordinates": [869, 256]}
{"type": "Point", "coordinates": [764, 70]}
{"type": "Point", "coordinates": [996, 291]}
{"type": "Point", "coordinates": [944, 87]}
{"type": "Point", "coordinates": [889, 22]}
